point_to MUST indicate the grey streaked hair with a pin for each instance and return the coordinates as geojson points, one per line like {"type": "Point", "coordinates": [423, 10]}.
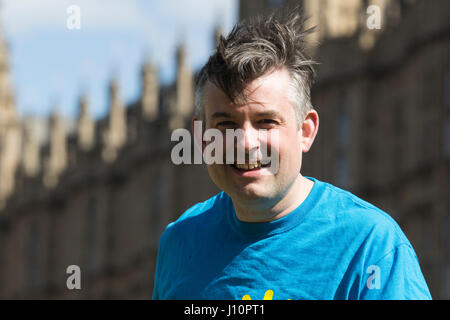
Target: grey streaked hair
{"type": "Point", "coordinates": [254, 48]}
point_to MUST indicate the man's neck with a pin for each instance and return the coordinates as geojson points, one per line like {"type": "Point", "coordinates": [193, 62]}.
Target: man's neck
{"type": "Point", "coordinates": [297, 193]}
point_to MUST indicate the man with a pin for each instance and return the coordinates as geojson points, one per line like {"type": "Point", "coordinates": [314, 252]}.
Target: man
{"type": "Point", "coordinates": [275, 234]}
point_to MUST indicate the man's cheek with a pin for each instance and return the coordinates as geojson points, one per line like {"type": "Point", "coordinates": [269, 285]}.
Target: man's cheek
{"type": "Point", "coordinates": [270, 151]}
{"type": "Point", "coordinates": [274, 162]}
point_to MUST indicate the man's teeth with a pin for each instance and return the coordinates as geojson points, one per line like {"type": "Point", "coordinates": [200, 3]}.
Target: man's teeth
{"type": "Point", "coordinates": [248, 166]}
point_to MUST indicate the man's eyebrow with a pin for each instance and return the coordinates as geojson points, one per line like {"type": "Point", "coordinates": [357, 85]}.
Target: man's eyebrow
{"type": "Point", "coordinates": [220, 114]}
{"type": "Point", "coordinates": [269, 114]}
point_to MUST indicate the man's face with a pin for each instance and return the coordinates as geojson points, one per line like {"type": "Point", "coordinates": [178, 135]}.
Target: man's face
{"type": "Point", "coordinates": [268, 108]}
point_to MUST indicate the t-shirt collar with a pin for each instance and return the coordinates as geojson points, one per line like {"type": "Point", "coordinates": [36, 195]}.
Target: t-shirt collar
{"type": "Point", "coordinates": [283, 224]}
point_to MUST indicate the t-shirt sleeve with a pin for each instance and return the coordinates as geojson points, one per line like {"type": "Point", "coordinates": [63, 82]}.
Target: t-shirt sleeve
{"type": "Point", "coordinates": [160, 263]}
{"type": "Point", "coordinates": [395, 276]}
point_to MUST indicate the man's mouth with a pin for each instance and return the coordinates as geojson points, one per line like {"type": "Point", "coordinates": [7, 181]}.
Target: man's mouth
{"type": "Point", "coordinates": [250, 166]}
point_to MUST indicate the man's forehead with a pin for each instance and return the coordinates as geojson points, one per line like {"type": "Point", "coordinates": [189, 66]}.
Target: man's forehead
{"type": "Point", "coordinates": [212, 92]}
{"type": "Point", "coordinates": [215, 99]}
{"type": "Point", "coordinates": [258, 90]}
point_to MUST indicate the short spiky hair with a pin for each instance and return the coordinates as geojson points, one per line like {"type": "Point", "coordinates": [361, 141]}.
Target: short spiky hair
{"type": "Point", "coordinates": [254, 48]}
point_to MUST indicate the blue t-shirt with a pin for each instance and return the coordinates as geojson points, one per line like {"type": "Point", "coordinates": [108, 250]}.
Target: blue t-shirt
{"type": "Point", "coordinates": [333, 246]}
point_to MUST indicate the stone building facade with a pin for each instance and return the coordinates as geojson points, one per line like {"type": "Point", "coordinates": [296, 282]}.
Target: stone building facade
{"type": "Point", "coordinates": [100, 196]}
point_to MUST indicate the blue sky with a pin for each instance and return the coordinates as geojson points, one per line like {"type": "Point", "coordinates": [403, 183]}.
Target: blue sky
{"type": "Point", "coordinates": [51, 65]}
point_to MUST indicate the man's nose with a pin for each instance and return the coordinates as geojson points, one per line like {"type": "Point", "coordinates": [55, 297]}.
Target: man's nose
{"type": "Point", "coordinates": [249, 142]}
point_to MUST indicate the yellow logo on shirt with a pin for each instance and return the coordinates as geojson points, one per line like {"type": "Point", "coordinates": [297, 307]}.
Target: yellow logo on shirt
{"type": "Point", "coordinates": [267, 296]}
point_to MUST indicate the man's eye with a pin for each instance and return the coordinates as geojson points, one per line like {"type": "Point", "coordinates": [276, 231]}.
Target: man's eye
{"type": "Point", "coordinates": [267, 121]}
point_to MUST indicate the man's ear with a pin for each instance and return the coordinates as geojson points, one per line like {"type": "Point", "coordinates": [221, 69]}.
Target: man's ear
{"type": "Point", "coordinates": [197, 131]}
{"type": "Point", "coordinates": [309, 127]}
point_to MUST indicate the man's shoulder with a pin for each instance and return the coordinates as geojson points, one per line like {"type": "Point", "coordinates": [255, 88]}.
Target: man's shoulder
{"type": "Point", "coordinates": [202, 213]}
{"type": "Point", "coordinates": [200, 209]}
{"type": "Point", "coordinates": [348, 209]}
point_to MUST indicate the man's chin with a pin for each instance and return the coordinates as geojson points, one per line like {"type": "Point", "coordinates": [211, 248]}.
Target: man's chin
{"type": "Point", "coordinates": [250, 192]}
